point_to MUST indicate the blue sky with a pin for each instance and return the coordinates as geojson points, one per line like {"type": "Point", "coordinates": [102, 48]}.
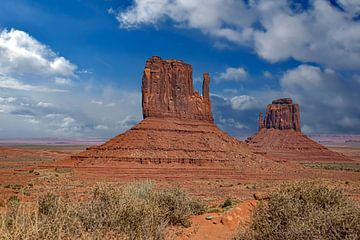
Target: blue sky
{"type": "Point", "coordinates": [73, 68]}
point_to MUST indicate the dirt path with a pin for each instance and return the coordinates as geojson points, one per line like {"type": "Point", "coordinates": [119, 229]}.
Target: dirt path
{"type": "Point", "coordinates": [216, 226]}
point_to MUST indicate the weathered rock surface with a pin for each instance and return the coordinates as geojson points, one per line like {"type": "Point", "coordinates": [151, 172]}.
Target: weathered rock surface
{"type": "Point", "coordinates": [167, 90]}
{"type": "Point", "coordinates": [178, 124]}
{"type": "Point", "coordinates": [282, 114]}
{"type": "Point", "coordinates": [280, 136]}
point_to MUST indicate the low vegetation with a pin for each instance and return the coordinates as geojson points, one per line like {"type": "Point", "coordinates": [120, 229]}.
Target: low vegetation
{"type": "Point", "coordinates": [135, 211]}
{"type": "Point", "coordinates": [353, 167]}
{"type": "Point", "coordinates": [222, 207]}
{"type": "Point", "coordinates": [304, 211]}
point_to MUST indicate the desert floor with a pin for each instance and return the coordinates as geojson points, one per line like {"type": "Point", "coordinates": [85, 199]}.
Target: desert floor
{"type": "Point", "coordinates": [31, 169]}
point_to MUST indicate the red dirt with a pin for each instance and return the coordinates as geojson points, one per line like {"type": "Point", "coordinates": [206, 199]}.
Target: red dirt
{"type": "Point", "coordinates": [222, 226]}
{"type": "Point", "coordinates": [178, 143]}
{"type": "Point", "coordinates": [290, 145]}
{"type": "Point", "coordinates": [165, 140]}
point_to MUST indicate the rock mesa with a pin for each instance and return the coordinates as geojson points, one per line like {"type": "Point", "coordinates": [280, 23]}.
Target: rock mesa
{"type": "Point", "coordinates": [280, 136]}
{"type": "Point", "coordinates": [281, 114]}
{"type": "Point", "coordinates": [178, 124]}
{"type": "Point", "coordinates": [167, 91]}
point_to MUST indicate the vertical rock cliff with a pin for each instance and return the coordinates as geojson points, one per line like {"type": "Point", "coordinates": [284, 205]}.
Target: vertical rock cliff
{"type": "Point", "coordinates": [178, 124]}
{"type": "Point", "coordinates": [280, 136]}
{"type": "Point", "coordinates": [167, 90]}
{"type": "Point", "coordinates": [282, 114]}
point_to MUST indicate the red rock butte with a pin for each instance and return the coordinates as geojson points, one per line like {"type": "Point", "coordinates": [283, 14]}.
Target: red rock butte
{"type": "Point", "coordinates": [178, 124]}
{"type": "Point", "coordinates": [280, 136]}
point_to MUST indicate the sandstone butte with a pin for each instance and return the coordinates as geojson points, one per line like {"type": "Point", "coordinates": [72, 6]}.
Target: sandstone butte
{"type": "Point", "coordinates": [280, 136]}
{"type": "Point", "coordinates": [178, 125]}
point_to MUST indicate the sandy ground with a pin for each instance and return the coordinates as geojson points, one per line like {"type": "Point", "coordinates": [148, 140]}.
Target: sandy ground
{"type": "Point", "coordinates": [26, 171]}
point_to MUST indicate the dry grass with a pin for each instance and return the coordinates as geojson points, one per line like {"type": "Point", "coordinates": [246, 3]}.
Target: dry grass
{"type": "Point", "coordinates": [134, 211]}
{"type": "Point", "coordinates": [352, 167]}
{"type": "Point", "coordinates": [305, 211]}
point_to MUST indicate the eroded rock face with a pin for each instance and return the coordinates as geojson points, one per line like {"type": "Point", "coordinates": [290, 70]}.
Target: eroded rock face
{"type": "Point", "coordinates": [280, 137]}
{"type": "Point", "coordinates": [281, 114]}
{"type": "Point", "coordinates": [178, 125]}
{"type": "Point", "coordinates": [167, 90]}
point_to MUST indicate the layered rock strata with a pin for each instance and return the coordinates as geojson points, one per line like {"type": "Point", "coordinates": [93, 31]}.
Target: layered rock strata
{"type": "Point", "coordinates": [167, 91]}
{"type": "Point", "coordinates": [281, 114]}
{"type": "Point", "coordinates": [280, 136]}
{"type": "Point", "coordinates": [178, 124]}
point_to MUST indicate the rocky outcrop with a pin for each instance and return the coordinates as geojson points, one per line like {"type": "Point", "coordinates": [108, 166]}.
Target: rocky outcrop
{"type": "Point", "coordinates": [281, 114]}
{"type": "Point", "coordinates": [178, 124]}
{"type": "Point", "coordinates": [280, 136]}
{"type": "Point", "coordinates": [167, 90]}
{"type": "Point", "coordinates": [261, 121]}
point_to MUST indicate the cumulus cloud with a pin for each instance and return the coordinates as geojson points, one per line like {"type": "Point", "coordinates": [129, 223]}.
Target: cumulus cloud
{"type": "Point", "coordinates": [276, 30]}
{"type": "Point", "coordinates": [213, 17]}
{"type": "Point", "coordinates": [321, 34]}
{"type": "Point", "coordinates": [232, 74]}
{"type": "Point", "coordinates": [243, 102]}
{"type": "Point", "coordinates": [327, 100]}
{"type": "Point", "coordinates": [236, 115]}
{"type": "Point", "coordinates": [21, 53]}
{"type": "Point", "coordinates": [12, 83]}
{"type": "Point", "coordinates": [42, 95]}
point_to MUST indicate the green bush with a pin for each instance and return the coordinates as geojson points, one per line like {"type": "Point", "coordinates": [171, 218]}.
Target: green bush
{"type": "Point", "coordinates": [134, 211]}
{"type": "Point", "coordinates": [304, 211]}
{"type": "Point", "coordinates": [226, 203]}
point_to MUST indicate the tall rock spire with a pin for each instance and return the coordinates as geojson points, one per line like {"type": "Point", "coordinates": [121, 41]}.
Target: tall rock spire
{"type": "Point", "coordinates": [168, 91]}
{"type": "Point", "coordinates": [261, 121]}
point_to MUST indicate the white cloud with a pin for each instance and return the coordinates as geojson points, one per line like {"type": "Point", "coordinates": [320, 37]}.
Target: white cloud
{"type": "Point", "coordinates": [321, 33]}
{"type": "Point", "coordinates": [44, 104]}
{"type": "Point", "coordinates": [230, 122]}
{"type": "Point", "coordinates": [67, 121]}
{"type": "Point", "coordinates": [243, 102]}
{"type": "Point", "coordinates": [63, 81]}
{"type": "Point", "coordinates": [214, 17]}
{"type": "Point", "coordinates": [110, 104]}
{"type": "Point", "coordinates": [304, 76]}
{"type": "Point", "coordinates": [97, 102]}
{"type": "Point", "coordinates": [101, 127]}
{"type": "Point", "coordinates": [21, 53]}
{"type": "Point", "coordinates": [7, 99]}
{"type": "Point", "coordinates": [12, 83]}
{"type": "Point", "coordinates": [235, 74]}
{"type": "Point", "coordinates": [43, 96]}
{"type": "Point", "coordinates": [352, 6]}
{"type": "Point", "coordinates": [326, 99]}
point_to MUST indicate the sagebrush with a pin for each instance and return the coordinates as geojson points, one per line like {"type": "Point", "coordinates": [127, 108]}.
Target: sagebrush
{"type": "Point", "coordinates": [134, 211]}
{"type": "Point", "coordinates": [304, 211]}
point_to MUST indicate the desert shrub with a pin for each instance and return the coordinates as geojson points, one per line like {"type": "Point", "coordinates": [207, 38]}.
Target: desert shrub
{"type": "Point", "coordinates": [177, 206]}
{"type": "Point", "coordinates": [131, 210]}
{"type": "Point", "coordinates": [304, 211]}
{"type": "Point", "coordinates": [134, 211]}
{"type": "Point", "coordinates": [227, 203]}
{"type": "Point", "coordinates": [52, 217]}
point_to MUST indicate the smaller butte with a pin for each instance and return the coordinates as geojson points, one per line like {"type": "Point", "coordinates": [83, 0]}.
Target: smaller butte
{"type": "Point", "coordinates": [280, 136]}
